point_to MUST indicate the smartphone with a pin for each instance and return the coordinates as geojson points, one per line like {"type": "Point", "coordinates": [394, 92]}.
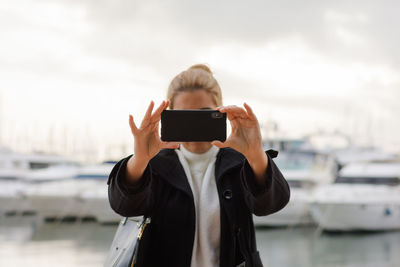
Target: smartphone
{"type": "Point", "coordinates": [193, 125]}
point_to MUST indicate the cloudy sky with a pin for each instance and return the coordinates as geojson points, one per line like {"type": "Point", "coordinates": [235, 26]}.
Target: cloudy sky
{"type": "Point", "coordinates": [71, 71]}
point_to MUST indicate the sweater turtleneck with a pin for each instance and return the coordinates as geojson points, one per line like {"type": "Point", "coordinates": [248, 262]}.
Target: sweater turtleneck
{"type": "Point", "coordinates": [200, 172]}
{"type": "Point", "coordinates": [198, 163]}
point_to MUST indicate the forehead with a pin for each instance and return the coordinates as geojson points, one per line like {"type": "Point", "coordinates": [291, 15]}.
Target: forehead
{"type": "Point", "coordinates": [197, 99]}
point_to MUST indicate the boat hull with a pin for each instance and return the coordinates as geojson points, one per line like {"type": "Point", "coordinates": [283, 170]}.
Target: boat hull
{"type": "Point", "coordinates": [356, 216]}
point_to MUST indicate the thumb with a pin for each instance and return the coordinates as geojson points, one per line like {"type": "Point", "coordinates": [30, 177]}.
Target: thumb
{"type": "Point", "coordinates": [171, 145]}
{"type": "Point", "coordinates": [132, 124]}
{"type": "Point", "coordinates": [219, 144]}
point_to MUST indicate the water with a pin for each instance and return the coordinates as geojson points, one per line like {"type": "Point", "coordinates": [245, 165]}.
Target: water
{"type": "Point", "coordinates": [301, 247]}
{"type": "Point", "coordinates": [27, 241]}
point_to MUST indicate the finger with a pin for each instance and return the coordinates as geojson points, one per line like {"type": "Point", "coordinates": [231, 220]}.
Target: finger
{"type": "Point", "coordinates": [220, 144]}
{"type": "Point", "coordinates": [169, 103]}
{"type": "Point", "coordinates": [250, 111]}
{"type": "Point", "coordinates": [233, 122]}
{"type": "Point", "coordinates": [236, 111]}
{"type": "Point", "coordinates": [147, 116]}
{"type": "Point", "coordinates": [227, 110]}
{"type": "Point", "coordinates": [132, 124]}
{"type": "Point", "coordinates": [154, 126]}
{"type": "Point", "coordinates": [230, 107]}
{"type": "Point", "coordinates": [158, 111]}
{"type": "Point", "coordinates": [232, 119]}
{"type": "Point", "coordinates": [221, 109]}
{"type": "Point", "coordinates": [157, 114]}
{"type": "Point", "coordinates": [170, 145]}
{"type": "Point", "coordinates": [233, 111]}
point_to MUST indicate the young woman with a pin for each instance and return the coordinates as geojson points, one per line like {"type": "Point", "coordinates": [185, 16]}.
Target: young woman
{"type": "Point", "coordinates": [201, 196]}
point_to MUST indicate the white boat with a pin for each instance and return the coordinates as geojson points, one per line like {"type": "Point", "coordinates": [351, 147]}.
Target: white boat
{"type": "Point", "coordinates": [15, 173]}
{"type": "Point", "coordinates": [11, 187]}
{"type": "Point", "coordinates": [34, 161]}
{"type": "Point", "coordinates": [98, 205]}
{"type": "Point", "coordinates": [353, 154]}
{"type": "Point", "coordinates": [82, 196]}
{"type": "Point", "coordinates": [95, 200]}
{"type": "Point", "coordinates": [58, 172]}
{"type": "Point", "coordinates": [304, 170]}
{"type": "Point", "coordinates": [365, 196]}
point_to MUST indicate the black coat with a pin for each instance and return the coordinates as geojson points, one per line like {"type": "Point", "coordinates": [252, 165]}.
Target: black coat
{"type": "Point", "coordinates": [164, 194]}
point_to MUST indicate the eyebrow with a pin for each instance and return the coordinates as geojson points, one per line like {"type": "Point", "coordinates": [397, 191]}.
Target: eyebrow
{"type": "Point", "coordinates": [206, 108]}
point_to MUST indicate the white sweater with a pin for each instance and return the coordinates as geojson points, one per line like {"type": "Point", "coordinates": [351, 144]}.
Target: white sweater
{"type": "Point", "coordinates": [200, 172]}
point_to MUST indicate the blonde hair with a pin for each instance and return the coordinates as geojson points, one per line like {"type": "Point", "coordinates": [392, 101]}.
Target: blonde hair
{"type": "Point", "coordinates": [197, 77]}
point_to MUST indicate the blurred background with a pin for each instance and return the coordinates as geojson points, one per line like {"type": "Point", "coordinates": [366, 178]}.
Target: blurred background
{"type": "Point", "coordinates": [323, 78]}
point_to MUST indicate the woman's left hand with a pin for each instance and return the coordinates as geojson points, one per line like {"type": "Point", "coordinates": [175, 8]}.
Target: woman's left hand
{"type": "Point", "coordinates": [245, 136]}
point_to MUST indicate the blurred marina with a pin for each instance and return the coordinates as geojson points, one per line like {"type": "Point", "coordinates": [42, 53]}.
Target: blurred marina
{"type": "Point", "coordinates": [54, 188]}
{"type": "Point", "coordinates": [336, 189]}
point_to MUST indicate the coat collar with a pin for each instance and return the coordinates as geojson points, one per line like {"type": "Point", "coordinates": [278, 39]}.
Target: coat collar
{"type": "Point", "coordinates": [167, 165]}
{"type": "Point", "coordinates": [227, 159]}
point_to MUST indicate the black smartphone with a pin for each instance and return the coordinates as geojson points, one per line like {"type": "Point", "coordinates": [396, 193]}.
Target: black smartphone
{"type": "Point", "coordinates": [193, 125]}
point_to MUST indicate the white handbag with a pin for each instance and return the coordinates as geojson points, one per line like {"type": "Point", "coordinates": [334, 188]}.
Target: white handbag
{"type": "Point", "coordinates": [125, 245]}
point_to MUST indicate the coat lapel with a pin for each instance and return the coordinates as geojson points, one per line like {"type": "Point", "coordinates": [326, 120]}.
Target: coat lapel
{"type": "Point", "coordinates": [227, 159]}
{"type": "Point", "coordinates": [167, 165]}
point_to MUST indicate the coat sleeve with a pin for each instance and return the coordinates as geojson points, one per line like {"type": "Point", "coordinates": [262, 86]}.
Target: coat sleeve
{"type": "Point", "coordinates": [127, 199]}
{"type": "Point", "coordinates": [264, 200]}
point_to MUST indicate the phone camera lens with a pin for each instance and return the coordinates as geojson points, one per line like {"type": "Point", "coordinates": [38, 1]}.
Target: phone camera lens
{"type": "Point", "coordinates": [216, 115]}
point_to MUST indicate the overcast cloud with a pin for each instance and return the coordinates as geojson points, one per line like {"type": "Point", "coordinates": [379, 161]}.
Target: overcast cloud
{"type": "Point", "coordinates": [306, 64]}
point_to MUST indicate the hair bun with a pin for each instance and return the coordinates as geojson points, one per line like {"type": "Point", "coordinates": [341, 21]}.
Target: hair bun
{"type": "Point", "coordinates": [201, 66]}
{"type": "Point", "coordinates": [197, 77]}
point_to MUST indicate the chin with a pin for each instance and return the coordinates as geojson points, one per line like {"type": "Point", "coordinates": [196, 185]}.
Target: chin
{"type": "Point", "coordinates": [197, 147]}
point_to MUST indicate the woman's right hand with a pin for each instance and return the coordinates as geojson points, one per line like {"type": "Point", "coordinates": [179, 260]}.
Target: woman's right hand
{"type": "Point", "coordinates": [147, 142]}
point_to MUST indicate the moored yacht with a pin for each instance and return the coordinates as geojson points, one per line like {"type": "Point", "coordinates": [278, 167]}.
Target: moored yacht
{"type": "Point", "coordinates": [364, 196]}
{"type": "Point", "coordinates": [18, 171]}
{"type": "Point", "coordinates": [75, 197]}
{"type": "Point", "coordinates": [304, 170]}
